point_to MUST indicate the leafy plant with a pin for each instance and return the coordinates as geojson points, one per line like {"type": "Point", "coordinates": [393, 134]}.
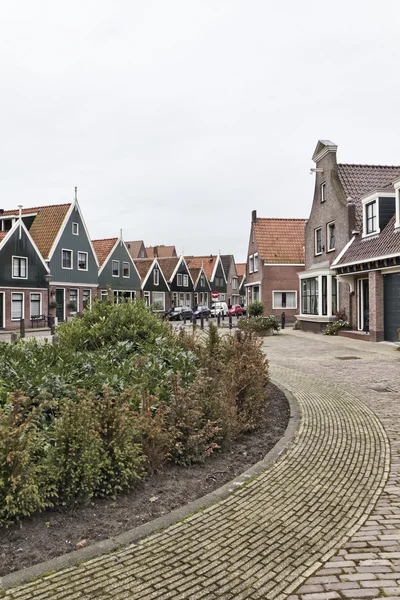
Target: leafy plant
{"type": "Point", "coordinates": [255, 309]}
{"type": "Point", "coordinates": [259, 325]}
{"type": "Point", "coordinates": [334, 327]}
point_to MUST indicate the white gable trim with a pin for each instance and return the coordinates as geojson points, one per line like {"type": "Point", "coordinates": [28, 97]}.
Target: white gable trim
{"type": "Point", "coordinates": [181, 259]}
{"type": "Point", "coordinates": [16, 225]}
{"type": "Point", "coordinates": [109, 255]}
{"type": "Point", "coordinates": [215, 269]}
{"type": "Point", "coordinates": [153, 264]}
{"type": "Point", "coordinates": [74, 204]}
{"type": "Point", "coordinates": [205, 278]}
{"type": "Point", "coordinates": [347, 246]}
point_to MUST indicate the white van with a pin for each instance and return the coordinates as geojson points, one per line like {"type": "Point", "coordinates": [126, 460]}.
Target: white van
{"type": "Point", "coordinates": [219, 308]}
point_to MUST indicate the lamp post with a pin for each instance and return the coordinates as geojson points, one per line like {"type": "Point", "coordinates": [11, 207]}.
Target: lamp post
{"type": "Point", "coordinates": [50, 320]}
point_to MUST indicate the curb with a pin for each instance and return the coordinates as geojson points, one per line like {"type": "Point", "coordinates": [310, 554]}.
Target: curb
{"type": "Point", "coordinates": [133, 535]}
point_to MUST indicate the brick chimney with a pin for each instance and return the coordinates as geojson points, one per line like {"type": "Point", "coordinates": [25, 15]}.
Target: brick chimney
{"type": "Point", "coordinates": [254, 216]}
{"type": "Point", "coordinates": [155, 251]}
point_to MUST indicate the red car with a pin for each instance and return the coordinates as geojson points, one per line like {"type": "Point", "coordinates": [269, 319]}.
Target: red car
{"type": "Point", "coordinates": [235, 310]}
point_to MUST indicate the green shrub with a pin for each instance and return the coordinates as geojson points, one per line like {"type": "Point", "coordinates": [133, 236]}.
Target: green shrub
{"type": "Point", "coordinates": [255, 309]}
{"type": "Point", "coordinates": [74, 459]}
{"type": "Point", "coordinates": [24, 486]}
{"type": "Point", "coordinates": [259, 325]}
{"type": "Point", "coordinates": [156, 440]}
{"type": "Point", "coordinates": [334, 327]}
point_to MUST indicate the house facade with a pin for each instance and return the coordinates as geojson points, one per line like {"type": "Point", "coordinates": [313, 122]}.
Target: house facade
{"type": "Point", "coordinates": [232, 279]}
{"type": "Point", "coordinates": [161, 252]}
{"type": "Point", "coordinates": [349, 200]}
{"type": "Point", "coordinates": [179, 281]}
{"type": "Point", "coordinates": [241, 271]}
{"type": "Point", "coordinates": [154, 286]}
{"type": "Point", "coordinates": [201, 287]}
{"type": "Point", "coordinates": [274, 259]}
{"type": "Point", "coordinates": [214, 270]}
{"type": "Point", "coordinates": [118, 276]}
{"type": "Point", "coordinates": [23, 282]}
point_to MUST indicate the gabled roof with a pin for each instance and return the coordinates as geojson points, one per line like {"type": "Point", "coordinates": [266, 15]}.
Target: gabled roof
{"type": "Point", "coordinates": [360, 250]}
{"type": "Point", "coordinates": [6, 235]}
{"type": "Point", "coordinates": [162, 251]}
{"type": "Point", "coordinates": [241, 269]}
{"type": "Point", "coordinates": [280, 241]}
{"type": "Point", "coordinates": [103, 248]}
{"type": "Point", "coordinates": [208, 263]}
{"type": "Point", "coordinates": [143, 266]}
{"type": "Point", "coordinates": [135, 247]}
{"type": "Point", "coordinates": [226, 260]}
{"type": "Point", "coordinates": [168, 266]}
{"type": "Point", "coordinates": [46, 225]}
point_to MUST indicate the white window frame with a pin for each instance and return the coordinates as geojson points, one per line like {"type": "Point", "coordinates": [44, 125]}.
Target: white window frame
{"type": "Point", "coordinates": [124, 263]}
{"type": "Point", "coordinates": [87, 260]}
{"type": "Point", "coordinates": [77, 300]}
{"type": "Point", "coordinates": [90, 298]}
{"type": "Point", "coordinates": [163, 303]}
{"type": "Point", "coordinates": [75, 228]}
{"type": "Point", "coordinates": [71, 268]}
{"type": "Point", "coordinates": [274, 306]}
{"type": "Point", "coordinates": [323, 191]}
{"type": "Point", "coordinates": [103, 295]}
{"type": "Point", "coordinates": [112, 267]}
{"type": "Point", "coordinates": [186, 281]}
{"type": "Point", "coordinates": [366, 202]}
{"type": "Point", "coordinates": [179, 279]}
{"type": "Point", "coordinates": [255, 262]}
{"type": "Point", "coordinates": [26, 267]}
{"type": "Point", "coordinates": [222, 297]}
{"type": "Point", "coordinates": [328, 228]}
{"type": "Point", "coordinates": [146, 297]}
{"type": "Point", "coordinates": [40, 304]}
{"type": "Point", "coordinates": [202, 281]}
{"type": "Point", "coordinates": [234, 283]}
{"type": "Point", "coordinates": [156, 280]}
{"type": "Point", "coordinates": [372, 204]}
{"type": "Point", "coordinates": [23, 305]}
{"type": "Point", "coordinates": [315, 241]}
{"type": "Point", "coordinates": [251, 263]}
{"type": "Point", "coordinates": [397, 203]}
{"type": "Point", "coordinates": [3, 316]}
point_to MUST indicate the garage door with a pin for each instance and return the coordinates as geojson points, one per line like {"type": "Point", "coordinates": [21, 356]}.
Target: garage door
{"type": "Point", "coordinates": [392, 307]}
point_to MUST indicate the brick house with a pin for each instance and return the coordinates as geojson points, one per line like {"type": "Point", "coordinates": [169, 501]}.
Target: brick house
{"type": "Point", "coordinates": [348, 198]}
{"type": "Point", "coordinates": [179, 279]}
{"type": "Point", "coordinates": [241, 272]}
{"type": "Point", "coordinates": [214, 270]}
{"type": "Point", "coordinates": [275, 257]}
{"type": "Point", "coordinates": [232, 283]}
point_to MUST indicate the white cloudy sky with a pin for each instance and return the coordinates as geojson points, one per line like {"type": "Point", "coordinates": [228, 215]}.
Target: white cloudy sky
{"type": "Point", "coordinates": [176, 118]}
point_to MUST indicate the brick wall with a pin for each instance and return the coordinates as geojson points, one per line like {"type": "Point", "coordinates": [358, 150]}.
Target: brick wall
{"type": "Point", "coordinates": [8, 322]}
{"type": "Point", "coordinates": [277, 279]}
{"type": "Point", "coordinates": [376, 306]}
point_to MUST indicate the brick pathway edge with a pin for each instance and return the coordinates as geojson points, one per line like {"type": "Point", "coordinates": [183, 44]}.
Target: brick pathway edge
{"type": "Point", "coordinates": [179, 514]}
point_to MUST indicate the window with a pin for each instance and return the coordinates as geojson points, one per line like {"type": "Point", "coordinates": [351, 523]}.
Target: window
{"type": "Point", "coordinates": [17, 307]}
{"type": "Point", "coordinates": [181, 299]}
{"type": "Point", "coordinates": [330, 236]}
{"type": "Point", "coordinates": [371, 220]}
{"type": "Point", "coordinates": [115, 268]}
{"type": "Point", "coordinates": [222, 297]}
{"type": "Point", "coordinates": [75, 228]}
{"type": "Point", "coordinates": [36, 305]}
{"type": "Point", "coordinates": [318, 241]}
{"type": "Point", "coordinates": [234, 283]}
{"type": "Point", "coordinates": [188, 299]}
{"type": "Point", "coordinates": [251, 263]}
{"type": "Point", "coordinates": [202, 281]}
{"type": "Point", "coordinates": [6, 224]}
{"type": "Point", "coordinates": [156, 277]}
{"type": "Point", "coordinates": [334, 295]}
{"type": "Point", "coordinates": [82, 261]}
{"type": "Point", "coordinates": [120, 296]}
{"type": "Point", "coordinates": [185, 281]}
{"type": "Point", "coordinates": [20, 267]}
{"type": "Point", "coordinates": [175, 299]}
{"type": "Point", "coordinates": [255, 262]}
{"type": "Point", "coordinates": [179, 279]}
{"type": "Point", "coordinates": [126, 269]}
{"type": "Point", "coordinates": [104, 295]}
{"type": "Point", "coordinates": [66, 259]}
{"type": "Point", "coordinates": [146, 296]}
{"type": "Point", "coordinates": [309, 296]}
{"type": "Point", "coordinates": [284, 300]}
{"type": "Point", "coordinates": [73, 298]}
{"type": "Point", "coordinates": [324, 282]}
{"type": "Point", "coordinates": [87, 298]}
{"type": "Point", "coordinates": [159, 301]}
{"type": "Point", "coordinates": [323, 190]}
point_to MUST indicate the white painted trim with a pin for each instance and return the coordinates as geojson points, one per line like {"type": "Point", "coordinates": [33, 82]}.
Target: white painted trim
{"type": "Point", "coordinates": [152, 300]}
{"type": "Point", "coordinates": [77, 228]}
{"type": "Point", "coordinates": [40, 303]}
{"type": "Point", "coordinates": [252, 283]}
{"type": "Point", "coordinates": [322, 189]}
{"type": "Point", "coordinates": [3, 324]}
{"type": "Point", "coordinates": [109, 256]}
{"type": "Point", "coordinates": [250, 260]}
{"type": "Point", "coordinates": [155, 262]}
{"type": "Point", "coordinates": [286, 292]}
{"type": "Point", "coordinates": [375, 195]}
{"type": "Point", "coordinates": [327, 237]}
{"type": "Point", "coordinates": [185, 279]}
{"type": "Point", "coordinates": [366, 260]}
{"type": "Point", "coordinates": [326, 150]}
{"type": "Point", "coordinates": [179, 278]}
{"type": "Point", "coordinates": [397, 206]}
{"type": "Point", "coordinates": [218, 259]}
{"type": "Point", "coordinates": [71, 268]}
{"type": "Point", "coordinates": [158, 277]}
{"type": "Point", "coordinates": [360, 303]}
{"type": "Point", "coordinates": [314, 274]}
{"type": "Point", "coordinates": [10, 233]}
{"type": "Point", "coordinates": [254, 262]}
{"type": "Point", "coordinates": [347, 246]}
{"type": "Point", "coordinates": [68, 284]}
{"type": "Point", "coordinates": [77, 260]}
{"type": "Point", "coordinates": [377, 230]}
{"type": "Point", "coordinates": [90, 298]}
{"type": "Point", "coordinates": [64, 301]}
{"type": "Point", "coordinates": [12, 267]}
{"type": "Point", "coordinates": [77, 299]}
{"type": "Point", "coordinates": [112, 268]}
{"type": "Point", "coordinates": [315, 241]}
{"type": "Point", "coordinates": [126, 262]}
{"type": "Point", "coordinates": [23, 306]}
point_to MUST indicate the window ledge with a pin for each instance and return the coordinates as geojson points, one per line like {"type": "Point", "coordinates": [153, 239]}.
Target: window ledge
{"type": "Point", "coordinates": [316, 318]}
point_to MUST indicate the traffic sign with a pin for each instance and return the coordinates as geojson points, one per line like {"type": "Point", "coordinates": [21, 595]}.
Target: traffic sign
{"type": "Point", "coordinates": [215, 295]}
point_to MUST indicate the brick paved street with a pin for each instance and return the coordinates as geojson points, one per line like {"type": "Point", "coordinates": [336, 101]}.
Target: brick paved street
{"type": "Point", "coordinates": [303, 529]}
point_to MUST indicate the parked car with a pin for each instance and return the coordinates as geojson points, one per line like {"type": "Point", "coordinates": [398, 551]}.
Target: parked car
{"type": "Point", "coordinates": [244, 309]}
{"type": "Point", "coordinates": [177, 313]}
{"type": "Point", "coordinates": [235, 310]}
{"type": "Point", "coordinates": [219, 308]}
{"type": "Point", "coordinates": [201, 311]}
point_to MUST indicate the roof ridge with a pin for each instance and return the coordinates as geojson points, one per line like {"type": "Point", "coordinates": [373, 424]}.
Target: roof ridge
{"type": "Point", "coordinates": [40, 207]}
{"type": "Point", "coordinates": [278, 219]}
{"type": "Point", "coordinates": [105, 239]}
{"type": "Point", "coordinates": [368, 165]}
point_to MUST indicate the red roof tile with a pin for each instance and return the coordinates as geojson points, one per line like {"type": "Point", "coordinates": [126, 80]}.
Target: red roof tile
{"type": "Point", "coordinates": [241, 269]}
{"type": "Point", "coordinates": [162, 251]}
{"type": "Point", "coordinates": [143, 265]}
{"type": "Point", "coordinates": [168, 266]}
{"type": "Point", "coordinates": [280, 241]}
{"type": "Point", "coordinates": [134, 248]}
{"type": "Point", "coordinates": [207, 262]}
{"type": "Point", "coordinates": [103, 248]}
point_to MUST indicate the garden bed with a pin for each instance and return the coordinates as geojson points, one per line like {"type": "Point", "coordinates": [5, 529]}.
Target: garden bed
{"type": "Point", "coordinates": [53, 533]}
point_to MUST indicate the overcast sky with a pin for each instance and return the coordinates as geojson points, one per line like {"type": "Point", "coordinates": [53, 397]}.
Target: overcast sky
{"type": "Point", "coordinates": [176, 118]}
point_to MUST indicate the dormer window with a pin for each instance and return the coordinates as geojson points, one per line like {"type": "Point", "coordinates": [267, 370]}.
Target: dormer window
{"type": "Point", "coordinates": [371, 220]}
{"type": "Point", "coordinates": [323, 190]}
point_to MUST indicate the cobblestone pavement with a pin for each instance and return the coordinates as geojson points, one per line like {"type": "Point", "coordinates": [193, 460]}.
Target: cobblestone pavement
{"type": "Point", "coordinates": [265, 539]}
